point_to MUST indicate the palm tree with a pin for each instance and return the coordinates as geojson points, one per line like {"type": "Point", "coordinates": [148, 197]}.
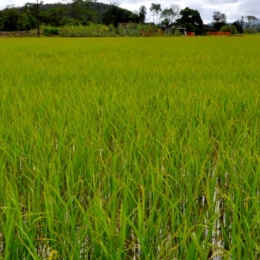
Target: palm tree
{"type": "Point", "coordinates": [142, 13]}
{"type": "Point", "coordinates": [156, 8]}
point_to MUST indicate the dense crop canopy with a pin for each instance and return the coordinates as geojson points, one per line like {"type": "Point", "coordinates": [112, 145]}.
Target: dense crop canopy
{"type": "Point", "coordinates": [126, 148]}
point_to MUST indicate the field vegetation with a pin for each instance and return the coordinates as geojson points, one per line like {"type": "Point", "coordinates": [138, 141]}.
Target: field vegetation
{"type": "Point", "coordinates": [130, 148]}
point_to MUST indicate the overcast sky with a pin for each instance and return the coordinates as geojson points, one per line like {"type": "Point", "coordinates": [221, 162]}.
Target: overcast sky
{"type": "Point", "coordinates": [234, 9]}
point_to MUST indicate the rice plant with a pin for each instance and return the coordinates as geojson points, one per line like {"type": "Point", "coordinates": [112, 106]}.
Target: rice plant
{"type": "Point", "coordinates": [129, 148]}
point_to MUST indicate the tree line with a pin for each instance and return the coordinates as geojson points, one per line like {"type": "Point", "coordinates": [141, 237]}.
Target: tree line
{"type": "Point", "coordinates": [84, 12]}
{"type": "Point", "coordinates": [76, 12]}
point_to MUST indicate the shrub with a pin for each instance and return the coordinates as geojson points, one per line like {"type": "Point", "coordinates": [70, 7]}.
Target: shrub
{"type": "Point", "coordinates": [252, 30]}
{"type": "Point", "coordinates": [177, 33]}
{"type": "Point", "coordinates": [51, 31]}
{"type": "Point", "coordinates": [229, 28]}
{"type": "Point", "coordinates": [92, 30]}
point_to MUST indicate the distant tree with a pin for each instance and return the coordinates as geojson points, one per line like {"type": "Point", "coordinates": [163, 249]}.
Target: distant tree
{"type": "Point", "coordinates": [242, 22]}
{"type": "Point", "coordinates": [135, 17]}
{"type": "Point", "coordinates": [23, 22]}
{"type": "Point", "coordinates": [31, 11]}
{"type": "Point", "coordinates": [74, 12]}
{"type": "Point", "coordinates": [250, 19]}
{"type": "Point", "coordinates": [255, 28]}
{"type": "Point", "coordinates": [191, 20]}
{"type": "Point", "coordinates": [238, 26]}
{"type": "Point", "coordinates": [156, 8]}
{"type": "Point", "coordinates": [32, 8]}
{"type": "Point", "coordinates": [116, 15]}
{"type": "Point", "coordinates": [11, 18]}
{"type": "Point", "coordinates": [229, 28]}
{"type": "Point", "coordinates": [56, 15]}
{"type": "Point", "coordinates": [2, 21]}
{"type": "Point", "coordinates": [252, 29]}
{"type": "Point", "coordinates": [165, 22]}
{"type": "Point", "coordinates": [219, 20]}
{"type": "Point", "coordinates": [16, 19]}
{"type": "Point", "coordinates": [171, 13]}
{"type": "Point", "coordinates": [79, 10]}
{"type": "Point", "coordinates": [142, 14]}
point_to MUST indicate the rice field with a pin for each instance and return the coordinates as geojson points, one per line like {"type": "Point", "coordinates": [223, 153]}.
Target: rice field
{"type": "Point", "coordinates": [130, 148]}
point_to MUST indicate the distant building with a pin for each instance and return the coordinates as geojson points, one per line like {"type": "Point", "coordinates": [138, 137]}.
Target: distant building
{"type": "Point", "coordinates": [171, 28]}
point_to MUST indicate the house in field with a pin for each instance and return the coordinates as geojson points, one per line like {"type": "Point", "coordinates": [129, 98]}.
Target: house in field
{"type": "Point", "coordinates": [171, 28]}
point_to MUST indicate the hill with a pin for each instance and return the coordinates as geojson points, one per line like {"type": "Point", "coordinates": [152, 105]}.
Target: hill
{"type": "Point", "coordinates": [25, 17]}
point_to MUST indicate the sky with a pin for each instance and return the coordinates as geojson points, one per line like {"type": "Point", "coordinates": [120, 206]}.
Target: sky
{"type": "Point", "coordinates": [234, 9]}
